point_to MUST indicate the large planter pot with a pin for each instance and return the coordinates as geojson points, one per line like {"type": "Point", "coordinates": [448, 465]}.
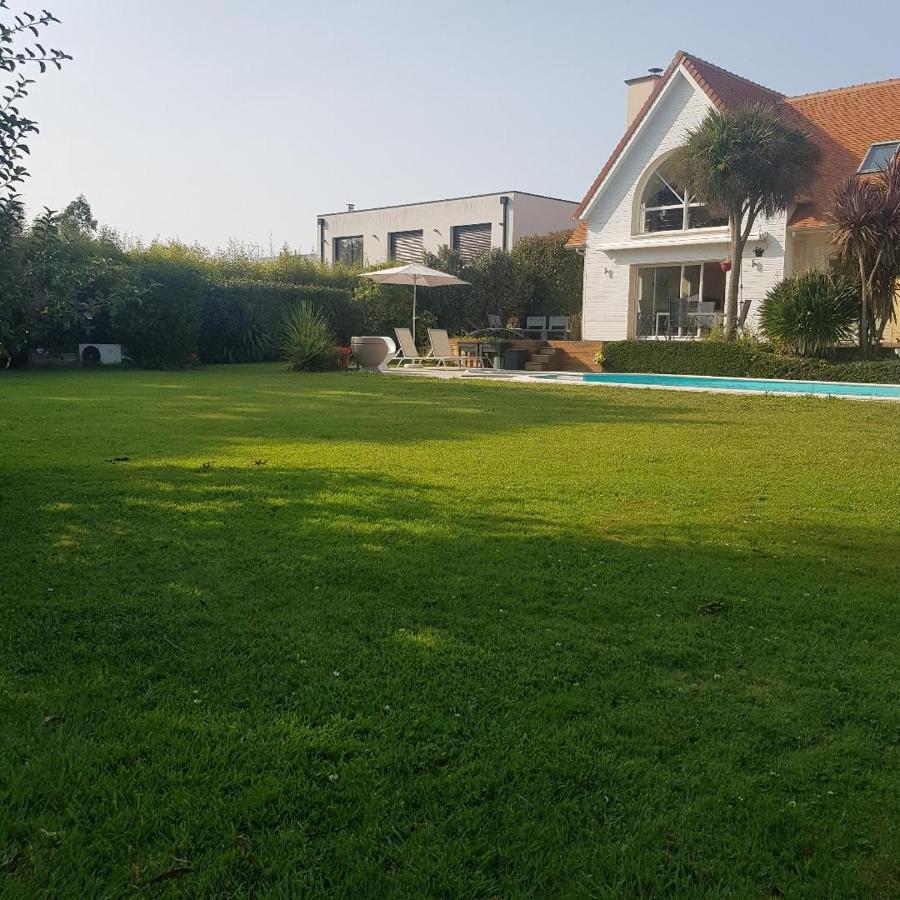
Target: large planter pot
{"type": "Point", "coordinates": [373, 353]}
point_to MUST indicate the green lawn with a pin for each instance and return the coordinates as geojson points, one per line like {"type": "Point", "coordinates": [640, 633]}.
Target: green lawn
{"type": "Point", "coordinates": [357, 636]}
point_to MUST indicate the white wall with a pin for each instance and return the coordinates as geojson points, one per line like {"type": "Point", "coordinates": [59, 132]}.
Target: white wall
{"type": "Point", "coordinates": [612, 248]}
{"type": "Point", "coordinates": [531, 215]}
{"type": "Point", "coordinates": [528, 215]}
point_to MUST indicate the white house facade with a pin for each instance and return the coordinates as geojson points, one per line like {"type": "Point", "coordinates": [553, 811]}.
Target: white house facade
{"type": "Point", "coordinates": [655, 260]}
{"type": "Point", "coordinates": [467, 224]}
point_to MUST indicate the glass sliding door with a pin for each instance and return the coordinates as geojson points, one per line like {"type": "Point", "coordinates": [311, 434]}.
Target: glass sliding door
{"type": "Point", "coordinates": [667, 296]}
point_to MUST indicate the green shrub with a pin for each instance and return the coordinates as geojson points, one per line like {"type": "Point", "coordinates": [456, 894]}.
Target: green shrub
{"type": "Point", "coordinates": [308, 343]}
{"type": "Point", "coordinates": [811, 313]}
{"type": "Point", "coordinates": [243, 321]}
{"type": "Point", "coordinates": [736, 360]}
{"type": "Point", "coordinates": [160, 322]}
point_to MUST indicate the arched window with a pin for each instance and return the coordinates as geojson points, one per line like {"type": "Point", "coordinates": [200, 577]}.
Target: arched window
{"type": "Point", "coordinates": [665, 206]}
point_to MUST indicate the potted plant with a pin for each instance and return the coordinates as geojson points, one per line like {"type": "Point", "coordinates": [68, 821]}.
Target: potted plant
{"type": "Point", "coordinates": [725, 265]}
{"type": "Point", "coordinates": [343, 355]}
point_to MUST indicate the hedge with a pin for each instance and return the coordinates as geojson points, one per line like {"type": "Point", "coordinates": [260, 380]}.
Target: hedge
{"type": "Point", "coordinates": [738, 361]}
{"type": "Point", "coordinates": [178, 312]}
{"type": "Point", "coordinates": [243, 321]}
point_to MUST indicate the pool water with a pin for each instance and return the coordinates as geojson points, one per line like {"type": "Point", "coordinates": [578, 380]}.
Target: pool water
{"type": "Point", "coordinates": [752, 385]}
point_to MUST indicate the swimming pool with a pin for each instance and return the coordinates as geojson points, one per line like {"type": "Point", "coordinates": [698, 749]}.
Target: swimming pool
{"type": "Point", "coordinates": [731, 385]}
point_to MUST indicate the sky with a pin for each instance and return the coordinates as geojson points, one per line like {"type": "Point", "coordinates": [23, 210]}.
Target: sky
{"type": "Point", "coordinates": [218, 120]}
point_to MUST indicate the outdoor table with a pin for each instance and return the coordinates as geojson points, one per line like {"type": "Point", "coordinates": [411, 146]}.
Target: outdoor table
{"type": "Point", "coordinates": [472, 351]}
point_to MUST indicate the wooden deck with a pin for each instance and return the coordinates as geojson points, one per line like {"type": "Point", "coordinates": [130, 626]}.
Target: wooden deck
{"type": "Point", "coordinates": [556, 356]}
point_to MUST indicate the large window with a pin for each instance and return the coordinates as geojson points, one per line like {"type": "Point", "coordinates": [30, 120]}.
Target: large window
{"type": "Point", "coordinates": [679, 301]}
{"type": "Point", "coordinates": [665, 206]}
{"type": "Point", "coordinates": [349, 250]}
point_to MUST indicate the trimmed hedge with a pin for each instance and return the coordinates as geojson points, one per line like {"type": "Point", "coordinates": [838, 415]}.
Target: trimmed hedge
{"type": "Point", "coordinates": [178, 312]}
{"type": "Point", "coordinates": [738, 361]}
{"type": "Point", "coordinates": [244, 321]}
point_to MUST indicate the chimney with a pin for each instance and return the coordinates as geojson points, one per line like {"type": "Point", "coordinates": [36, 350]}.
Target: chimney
{"type": "Point", "coordinates": [351, 207]}
{"type": "Point", "coordinates": [639, 89]}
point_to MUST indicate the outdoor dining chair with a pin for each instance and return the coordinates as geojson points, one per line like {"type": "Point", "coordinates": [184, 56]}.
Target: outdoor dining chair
{"type": "Point", "coordinates": [494, 323]}
{"type": "Point", "coordinates": [559, 327]}
{"type": "Point", "coordinates": [536, 325]}
{"type": "Point", "coordinates": [407, 354]}
{"type": "Point", "coordinates": [441, 351]}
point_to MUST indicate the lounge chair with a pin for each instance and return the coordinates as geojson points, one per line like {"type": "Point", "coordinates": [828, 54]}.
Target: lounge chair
{"type": "Point", "coordinates": [407, 355]}
{"type": "Point", "coordinates": [559, 327]}
{"type": "Point", "coordinates": [441, 352]}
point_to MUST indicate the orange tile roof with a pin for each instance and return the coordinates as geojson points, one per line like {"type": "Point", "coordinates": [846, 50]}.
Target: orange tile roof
{"type": "Point", "coordinates": [578, 238]}
{"type": "Point", "coordinates": [843, 122]}
{"type": "Point", "coordinates": [724, 88]}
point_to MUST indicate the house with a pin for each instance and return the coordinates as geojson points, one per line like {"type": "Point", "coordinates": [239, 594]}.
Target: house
{"type": "Point", "coordinates": [467, 224]}
{"type": "Point", "coordinates": [648, 247]}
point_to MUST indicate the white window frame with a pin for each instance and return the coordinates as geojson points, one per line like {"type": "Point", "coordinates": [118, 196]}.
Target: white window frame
{"type": "Point", "coordinates": [686, 205]}
{"type": "Point", "coordinates": [868, 153]}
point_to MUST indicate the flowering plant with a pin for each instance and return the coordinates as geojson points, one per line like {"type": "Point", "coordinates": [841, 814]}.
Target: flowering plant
{"type": "Point", "coordinates": [344, 354]}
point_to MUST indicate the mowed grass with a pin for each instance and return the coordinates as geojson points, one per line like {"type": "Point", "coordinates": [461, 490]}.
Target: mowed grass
{"type": "Point", "coordinates": [351, 636]}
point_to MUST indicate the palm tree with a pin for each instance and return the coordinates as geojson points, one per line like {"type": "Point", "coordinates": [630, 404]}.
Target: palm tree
{"type": "Point", "coordinates": [866, 213]}
{"type": "Point", "coordinates": [746, 162]}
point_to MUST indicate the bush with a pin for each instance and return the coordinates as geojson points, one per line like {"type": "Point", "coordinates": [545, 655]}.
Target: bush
{"type": "Point", "coordinates": [308, 344]}
{"type": "Point", "coordinates": [243, 322]}
{"type": "Point", "coordinates": [738, 361]}
{"type": "Point", "coordinates": [811, 313]}
{"type": "Point", "coordinates": [160, 322]}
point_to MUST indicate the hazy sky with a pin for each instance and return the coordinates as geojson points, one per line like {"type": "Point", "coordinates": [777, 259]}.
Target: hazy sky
{"type": "Point", "coordinates": [217, 119]}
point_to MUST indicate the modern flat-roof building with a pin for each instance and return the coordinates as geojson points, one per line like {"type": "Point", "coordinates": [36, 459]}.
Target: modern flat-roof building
{"type": "Point", "coordinates": [467, 224]}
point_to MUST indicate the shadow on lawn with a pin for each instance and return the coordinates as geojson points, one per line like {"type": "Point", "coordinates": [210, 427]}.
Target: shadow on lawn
{"type": "Point", "coordinates": [195, 413]}
{"type": "Point", "coordinates": [222, 642]}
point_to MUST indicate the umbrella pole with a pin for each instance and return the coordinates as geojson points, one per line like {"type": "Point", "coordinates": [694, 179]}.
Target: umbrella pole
{"type": "Point", "coordinates": [414, 311]}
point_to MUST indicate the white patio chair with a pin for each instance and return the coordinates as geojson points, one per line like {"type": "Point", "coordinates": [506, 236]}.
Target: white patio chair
{"type": "Point", "coordinates": [536, 324]}
{"type": "Point", "coordinates": [559, 327]}
{"type": "Point", "coordinates": [407, 355]}
{"type": "Point", "coordinates": [441, 351]}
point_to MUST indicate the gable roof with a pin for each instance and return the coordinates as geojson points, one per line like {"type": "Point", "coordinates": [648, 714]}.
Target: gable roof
{"type": "Point", "coordinates": [844, 122]}
{"type": "Point", "coordinates": [723, 88]}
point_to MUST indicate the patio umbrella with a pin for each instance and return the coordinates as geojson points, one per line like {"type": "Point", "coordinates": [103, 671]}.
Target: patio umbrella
{"type": "Point", "coordinates": [416, 275]}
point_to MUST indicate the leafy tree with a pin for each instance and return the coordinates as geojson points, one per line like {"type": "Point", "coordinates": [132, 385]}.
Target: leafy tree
{"type": "Point", "coordinates": [77, 218]}
{"type": "Point", "coordinates": [12, 222]}
{"type": "Point", "coordinates": [866, 212]}
{"type": "Point", "coordinates": [17, 55]}
{"type": "Point", "coordinates": [550, 275]}
{"type": "Point", "coordinates": [748, 163]}
{"type": "Point", "coordinates": [65, 281]}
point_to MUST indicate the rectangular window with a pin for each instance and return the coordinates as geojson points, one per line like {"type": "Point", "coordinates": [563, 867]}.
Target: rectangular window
{"type": "Point", "coordinates": [406, 246]}
{"type": "Point", "coordinates": [878, 157]}
{"type": "Point", "coordinates": [681, 301]}
{"type": "Point", "coordinates": [471, 240]}
{"type": "Point", "coordinates": [349, 251]}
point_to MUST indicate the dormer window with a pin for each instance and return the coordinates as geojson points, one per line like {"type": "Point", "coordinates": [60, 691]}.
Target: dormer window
{"type": "Point", "coordinates": [665, 206]}
{"type": "Point", "coordinates": [878, 157]}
